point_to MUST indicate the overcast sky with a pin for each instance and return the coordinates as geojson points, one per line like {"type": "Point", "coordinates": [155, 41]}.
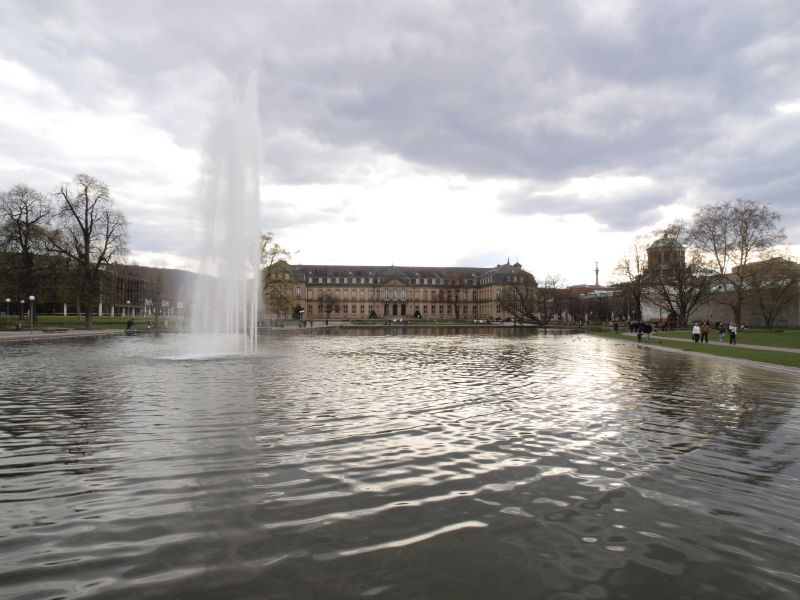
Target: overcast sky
{"type": "Point", "coordinates": [415, 133]}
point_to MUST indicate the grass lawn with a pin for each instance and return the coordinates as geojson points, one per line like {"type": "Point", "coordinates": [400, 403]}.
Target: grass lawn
{"type": "Point", "coordinates": [73, 322]}
{"type": "Point", "coordinates": [679, 341]}
{"type": "Point", "coordinates": [778, 338]}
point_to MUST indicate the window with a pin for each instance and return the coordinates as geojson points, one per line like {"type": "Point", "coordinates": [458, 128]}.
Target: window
{"type": "Point", "coordinates": [361, 309]}
{"type": "Point", "coordinates": [353, 295]}
{"type": "Point", "coordinates": [498, 309]}
{"type": "Point", "coordinates": [394, 294]}
{"type": "Point", "coordinates": [385, 294]}
{"type": "Point", "coordinates": [319, 294]}
{"type": "Point", "coordinates": [297, 292]}
{"type": "Point", "coordinates": [372, 294]}
{"type": "Point", "coordinates": [425, 295]}
{"type": "Point", "coordinates": [416, 294]}
{"type": "Point", "coordinates": [345, 308]}
{"type": "Point", "coordinates": [425, 310]}
{"type": "Point", "coordinates": [328, 280]}
{"type": "Point", "coordinates": [336, 280]}
{"type": "Point", "coordinates": [310, 310]}
{"type": "Point", "coordinates": [353, 309]}
{"type": "Point", "coordinates": [370, 279]}
{"type": "Point", "coordinates": [474, 311]}
{"type": "Point", "coordinates": [402, 294]}
{"type": "Point", "coordinates": [441, 309]}
{"type": "Point", "coordinates": [362, 280]}
{"type": "Point", "coordinates": [336, 294]}
{"type": "Point", "coordinates": [361, 295]}
{"type": "Point", "coordinates": [474, 296]}
{"type": "Point", "coordinates": [309, 294]}
{"type": "Point", "coordinates": [449, 309]}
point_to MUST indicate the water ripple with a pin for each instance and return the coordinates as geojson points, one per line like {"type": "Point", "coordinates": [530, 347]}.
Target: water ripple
{"type": "Point", "coordinates": [461, 466]}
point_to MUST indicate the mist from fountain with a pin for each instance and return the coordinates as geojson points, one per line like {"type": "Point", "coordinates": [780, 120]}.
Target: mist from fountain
{"type": "Point", "coordinates": [225, 300]}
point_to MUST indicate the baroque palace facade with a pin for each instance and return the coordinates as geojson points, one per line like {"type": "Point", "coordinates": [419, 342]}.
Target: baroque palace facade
{"type": "Point", "coordinates": [390, 292]}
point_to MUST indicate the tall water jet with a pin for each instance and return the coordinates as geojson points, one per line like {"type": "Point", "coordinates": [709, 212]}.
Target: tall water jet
{"type": "Point", "coordinates": [225, 299]}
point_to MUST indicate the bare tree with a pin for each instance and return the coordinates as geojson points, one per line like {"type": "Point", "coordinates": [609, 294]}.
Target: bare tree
{"type": "Point", "coordinates": [523, 299]}
{"type": "Point", "coordinates": [631, 269]}
{"type": "Point", "coordinates": [25, 216]}
{"type": "Point", "coordinates": [772, 285]}
{"type": "Point", "coordinates": [453, 294]}
{"type": "Point", "coordinates": [91, 234]}
{"type": "Point", "coordinates": [733, 235]}
{"type": "Point", "coordinates": [328, 303]}
{"type": "Point", "coordinates": [552, 298]}
{"type": "Point", "coordinates": [681, 290]}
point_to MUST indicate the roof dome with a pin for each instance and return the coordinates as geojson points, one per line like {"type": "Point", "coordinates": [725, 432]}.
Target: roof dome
{"type": "Point", "coordinates": [666, 242]}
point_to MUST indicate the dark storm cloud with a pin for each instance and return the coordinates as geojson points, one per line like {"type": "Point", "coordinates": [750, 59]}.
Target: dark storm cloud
{"type": "Point", "coordinates": [622, 210]}
{"type": "Point", "coordinates": [540, 92]}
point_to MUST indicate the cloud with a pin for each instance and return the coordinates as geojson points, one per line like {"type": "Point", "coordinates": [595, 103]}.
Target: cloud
{"type": "Point", "coordinates": [698, 98]}
{"type": "Point", "coordinates": [620, 203]}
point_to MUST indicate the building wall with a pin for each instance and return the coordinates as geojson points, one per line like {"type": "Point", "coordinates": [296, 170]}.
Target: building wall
{"type": "Point", "coordinates": [355, 292]}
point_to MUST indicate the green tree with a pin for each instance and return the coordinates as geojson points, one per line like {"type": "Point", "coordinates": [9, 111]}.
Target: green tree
{"type": "Point", "coordinates": [25, 216]}
{"type": "Point", "coordinates": [276, 275]}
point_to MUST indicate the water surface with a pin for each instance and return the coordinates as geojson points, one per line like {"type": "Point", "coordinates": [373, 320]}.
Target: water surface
{"type": "Point", "coordinates": [448, 466]}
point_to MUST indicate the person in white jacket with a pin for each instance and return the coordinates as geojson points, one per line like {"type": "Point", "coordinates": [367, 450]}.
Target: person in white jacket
{"type": "Point", "coordinates": [696, 332]}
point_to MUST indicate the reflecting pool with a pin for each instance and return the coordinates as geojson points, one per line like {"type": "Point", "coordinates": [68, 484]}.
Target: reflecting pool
{"type": "Point", "coordinates": [391, 466]}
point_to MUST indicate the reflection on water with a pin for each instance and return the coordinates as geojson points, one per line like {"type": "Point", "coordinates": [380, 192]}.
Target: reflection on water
{"type": "Point", "coordinates": [395, 466]}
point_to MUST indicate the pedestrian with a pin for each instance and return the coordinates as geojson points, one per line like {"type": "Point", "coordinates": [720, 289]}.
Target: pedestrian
{"type": "Point", "coordinates": [648, 329]}
{"type": "Point", "coordinates": [696, 332]}
{"type": "Point", "coordinates": [722, 332]}
{"type": "Point", "coordinates": [704, 327]}
{"type": "Point", "coordinates": [616, 326]}
{"type": "Point", "coordinates": [732, 333]}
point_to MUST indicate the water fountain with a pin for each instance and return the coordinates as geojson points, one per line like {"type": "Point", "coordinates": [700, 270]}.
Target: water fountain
{"type": "Point", "coordinates": [225, 299]}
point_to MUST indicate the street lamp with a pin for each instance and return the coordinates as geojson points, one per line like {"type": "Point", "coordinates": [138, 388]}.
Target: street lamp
{"type": "Point", "coordinates": [32, 298]}
{"type": "Point", "coordinates": [300, 324]}
{"type": "Point", "coordinates": [128, 303]}
{"type": "Point", "coordinates": [21, 313]}
{"type": "Point", "coordinates": [8, 309]}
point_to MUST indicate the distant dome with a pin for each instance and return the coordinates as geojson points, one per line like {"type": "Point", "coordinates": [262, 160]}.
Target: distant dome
{"type": "Point", "coordinates": [665, 254]}
{"type": "Point", "coordinates": [666, 242]}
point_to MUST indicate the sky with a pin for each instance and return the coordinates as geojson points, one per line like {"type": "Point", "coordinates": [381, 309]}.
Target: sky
{"type": "Point", "coordinates": [430, 133]}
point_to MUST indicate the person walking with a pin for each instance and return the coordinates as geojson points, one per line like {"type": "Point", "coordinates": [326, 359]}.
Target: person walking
{"type": "Point", "coordinates": [722, 332]}
{"type": "Point", "coordinates": [732, 333]}
{"type": "Point", "coordinates": [704, 327]}
{"type": "Point", "coordinates": [696, 332]}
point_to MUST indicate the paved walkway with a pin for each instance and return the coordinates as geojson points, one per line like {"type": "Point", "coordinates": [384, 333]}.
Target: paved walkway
{"type": "Point", "coordinates": [716, 342]}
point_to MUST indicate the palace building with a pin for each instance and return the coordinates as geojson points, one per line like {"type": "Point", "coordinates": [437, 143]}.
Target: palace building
{"type": "Point", "coordinates": [390, 292]}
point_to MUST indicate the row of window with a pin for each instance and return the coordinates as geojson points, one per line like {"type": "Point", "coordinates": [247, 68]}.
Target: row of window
{"type": "Point", "coordinates": [395, 294]}
{"type": "Point", "coordinates": [370, 280]}
{"type": "Point", "coordinates": [360, 309]}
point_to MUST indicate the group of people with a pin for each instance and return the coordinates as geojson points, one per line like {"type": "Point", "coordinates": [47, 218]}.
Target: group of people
{"type": "Point", "coordinates": [700, 332]}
